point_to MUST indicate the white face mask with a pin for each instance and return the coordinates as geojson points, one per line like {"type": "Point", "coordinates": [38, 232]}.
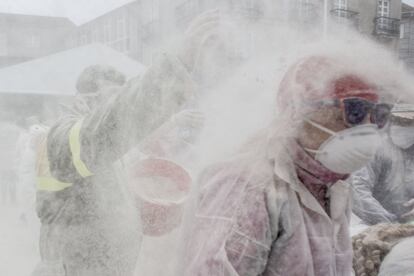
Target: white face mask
{"type": "Point", "coordinates": [348, 150]}
{"type": "Point", "coordinates": [402, 137]}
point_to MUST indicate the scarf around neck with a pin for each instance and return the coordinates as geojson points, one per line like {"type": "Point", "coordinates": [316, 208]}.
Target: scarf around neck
{"type": "Point", "coordinates": [314, 176]}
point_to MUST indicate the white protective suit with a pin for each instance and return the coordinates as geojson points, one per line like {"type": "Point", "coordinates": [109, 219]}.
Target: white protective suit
{"type": "Point", "coordinates": [256, 218]}
{"type": "Point", "coordinates": [381, 188]}
{"type": "Point", "coordinates": [273, 210]}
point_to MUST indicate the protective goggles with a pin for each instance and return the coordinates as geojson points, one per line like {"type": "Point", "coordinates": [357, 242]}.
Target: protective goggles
{"type": "Point", "coordinates": [356, 110]}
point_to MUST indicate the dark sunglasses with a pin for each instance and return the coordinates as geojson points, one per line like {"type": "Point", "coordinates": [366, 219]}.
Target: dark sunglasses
{"type": "Point", "coordinates": [355, 111]}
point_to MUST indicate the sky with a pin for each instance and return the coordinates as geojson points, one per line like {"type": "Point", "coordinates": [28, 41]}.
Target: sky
{"type": "Point", "coordinates": [409, 2]}
{"type": "Point", "coordinates": [79, 11]}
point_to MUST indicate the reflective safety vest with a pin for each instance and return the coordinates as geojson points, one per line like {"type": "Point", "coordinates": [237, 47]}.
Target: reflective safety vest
{"type": "Point", "coordinates": [75, 148]}
{"type": "Point", "coordinates": [45, 180]}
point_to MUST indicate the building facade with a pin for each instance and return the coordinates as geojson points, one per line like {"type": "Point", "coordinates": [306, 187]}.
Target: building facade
{"type": "Point", "coordinates": [117, 29]}
{"type": "Point", "coordinates": [406, 49]}
{"type": "Point", "coordinates": [133, 29]}
{"type": "Point", "coordinates": [377, 19]}
{"type": "Point", "coordinates": [140, 28]}
{"type": "Point", "coordinates": [25, 37]}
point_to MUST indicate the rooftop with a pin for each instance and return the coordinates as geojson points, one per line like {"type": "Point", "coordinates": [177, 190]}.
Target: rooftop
{"type": "Point", "coordinates": [57, 74]}
{"type": "Point", "coordinates": [77, 11]}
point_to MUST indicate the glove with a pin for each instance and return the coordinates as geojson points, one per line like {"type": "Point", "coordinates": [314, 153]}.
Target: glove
{"type": "Point", "coordinates": [372, 245]}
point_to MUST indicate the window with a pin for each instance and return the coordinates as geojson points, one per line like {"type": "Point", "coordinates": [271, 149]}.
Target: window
{"type": "Point", "coordinates": [402, 31]}
{"type": "Point", "coordinates": [341, 8]}
{"type": "Point", "coordinates": [121, 27]}
{"type": "Point", "coordinates": [341, 4]}
{"type": "Point", "coordinates": [383, 12]}
{"type": "Point", "coordinates": [83, 39]}
{"type": "Point", "coordinates": [107, 31]}
{"type": "Point", "coordinates": [34, 41]}
{"type": "Point", "coordinates": [304, 8]}
{"type": "Point", "coordinates": [384, 8]}
{"type": "Point", "coordinates": [95, 34]}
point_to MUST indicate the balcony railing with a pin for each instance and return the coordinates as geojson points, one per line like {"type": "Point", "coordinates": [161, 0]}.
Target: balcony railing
{"type": "Point", "coordinates": [407, 14]}
{"type": "Point", "coordinates": [345, 16]}
{"type": "Point", "coordinates": [386, 26]}
{"type": "Point", "coordinates": [345, 13]}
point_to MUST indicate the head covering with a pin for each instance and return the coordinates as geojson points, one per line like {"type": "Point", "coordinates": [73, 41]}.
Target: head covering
{"type": "Point", "coordinates": [318, 78]}
{"type": "Point", "coordinates": [90, 78]}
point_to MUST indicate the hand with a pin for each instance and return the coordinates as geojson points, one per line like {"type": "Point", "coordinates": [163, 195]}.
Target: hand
{"type": "Point", "coordinates": [409, 216]}
{"type": "Point", "coordinates": [372, 245]}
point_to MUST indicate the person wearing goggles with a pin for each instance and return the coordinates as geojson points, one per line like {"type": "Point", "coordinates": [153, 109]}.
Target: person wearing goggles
{"type": "Point", "coordinates": [383, 198]}
{"type": "Point", "coordinates": [383, 191]}
{"type": "Point", "coordinates": [283, 198]}
{"type": "Point", "coordinates": [356, 111]}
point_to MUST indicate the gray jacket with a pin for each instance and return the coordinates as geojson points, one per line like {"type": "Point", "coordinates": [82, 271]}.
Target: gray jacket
{"type": "Point", "coordinates": [92, 227]}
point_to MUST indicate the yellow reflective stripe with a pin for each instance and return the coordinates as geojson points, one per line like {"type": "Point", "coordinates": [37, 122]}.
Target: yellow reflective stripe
{"type": "Point", "coordinates": [51, 184]}
{"type": "Point", "coordinates": [74, 143]}
{"type": "Point", "coordinates": [45, 181]}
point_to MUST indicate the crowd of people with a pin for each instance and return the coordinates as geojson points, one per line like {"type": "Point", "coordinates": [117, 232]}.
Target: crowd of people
{"type": "Point", "coordinates": [340, 144]}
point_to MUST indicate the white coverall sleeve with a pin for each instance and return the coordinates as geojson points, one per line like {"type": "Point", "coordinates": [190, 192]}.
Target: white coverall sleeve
{"type": "Point", "coordinates": [365, 205]}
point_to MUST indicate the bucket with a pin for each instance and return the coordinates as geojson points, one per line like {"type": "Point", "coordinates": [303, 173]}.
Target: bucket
{"type": "Point", "coordinates": [160, 188]}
